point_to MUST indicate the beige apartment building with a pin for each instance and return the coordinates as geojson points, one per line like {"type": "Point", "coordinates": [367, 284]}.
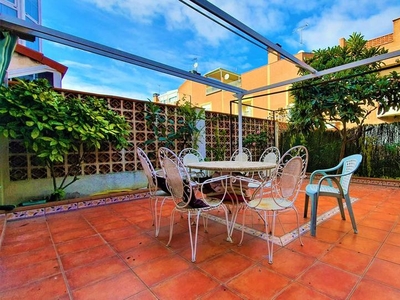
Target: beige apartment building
{"type": "Point", "coordinates": [277, 70]}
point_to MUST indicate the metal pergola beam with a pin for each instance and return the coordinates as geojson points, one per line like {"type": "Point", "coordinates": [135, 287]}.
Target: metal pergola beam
{"type": "Point", "coordinates": [24, 28]}
{"type": "Point", "coordinates": [355, 64]}
{"type": "Point", "coordinates": [211, 8]}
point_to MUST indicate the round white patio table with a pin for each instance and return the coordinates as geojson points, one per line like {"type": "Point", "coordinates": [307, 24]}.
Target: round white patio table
{"type": "Point", "coordinates": [232, 167]}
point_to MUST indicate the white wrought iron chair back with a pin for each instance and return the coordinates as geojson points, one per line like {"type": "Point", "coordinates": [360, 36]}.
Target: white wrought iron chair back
{"type": "Point", "coordinates": [289, 174]}
{"type": "Point", "coordinates": [245, 155]}
{"type": "Point", "coordinates": [350, 165]}
{"type": "Point", "coordinates": [176, 176]}
{"type": "Point", "coordinates": [270, 155]}
{"type": "Point", "coordinates": [154, 190]}
{"type": "Point", "coordinates": [191, 155]}
{"type": "Point", "coordinates": [148, 170]}
{"type": "Point", "coordinates": [277, 194]}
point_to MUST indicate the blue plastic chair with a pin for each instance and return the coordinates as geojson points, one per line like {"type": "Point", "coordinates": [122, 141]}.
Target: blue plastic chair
{"type": "Point", "coordinates": [336, 185]}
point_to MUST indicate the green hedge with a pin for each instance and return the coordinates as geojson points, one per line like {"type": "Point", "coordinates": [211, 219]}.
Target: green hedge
{"type": "Point", "coordinates": [379, 145]}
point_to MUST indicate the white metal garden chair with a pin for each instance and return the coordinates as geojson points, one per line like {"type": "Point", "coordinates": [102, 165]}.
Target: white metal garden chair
{"type": "Point", "coordinates": [278, 194]}
{"type": "Point", "coordinates": [155, 190]}
{"type": "Point", "coordinates": [188, 196]}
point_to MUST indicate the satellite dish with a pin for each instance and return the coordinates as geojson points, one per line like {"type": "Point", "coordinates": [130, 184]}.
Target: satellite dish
{"type": "Point", "coordinates": [226, 76]}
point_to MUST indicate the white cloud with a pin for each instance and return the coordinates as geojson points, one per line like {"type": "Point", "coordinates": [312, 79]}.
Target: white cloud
{"type": "Point", "coordinates": [76, 83]}
{"type": "Point", "coordinates": [107, 76]}
{"type": "Point", "coordinates": [328, 20]}
{"type": "Point", "coordinates": [346, 17]}
{"type": "Point", "coordinates": [75, 64]}
{"type": "Point", "coordinates": [139, 10]}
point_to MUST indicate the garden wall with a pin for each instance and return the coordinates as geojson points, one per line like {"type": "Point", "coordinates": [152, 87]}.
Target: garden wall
{"type": "Point", "coordinates": [24, 178]}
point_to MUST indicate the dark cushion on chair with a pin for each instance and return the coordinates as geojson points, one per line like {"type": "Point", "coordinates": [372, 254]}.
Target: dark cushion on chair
{"type": "Point", "coordinates": [197, 203]}
{"type": "Point", "coordinates": [161, 184]}
{"type": "Point", "coordinates": [194, 202]}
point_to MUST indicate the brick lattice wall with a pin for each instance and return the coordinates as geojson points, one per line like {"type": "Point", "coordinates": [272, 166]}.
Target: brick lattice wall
{"type": "Point", "coordinates": [23, 165]}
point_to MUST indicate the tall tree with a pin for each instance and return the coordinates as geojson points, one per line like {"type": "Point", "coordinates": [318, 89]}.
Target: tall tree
{"type": "Point", "coordinates": [347, 97]}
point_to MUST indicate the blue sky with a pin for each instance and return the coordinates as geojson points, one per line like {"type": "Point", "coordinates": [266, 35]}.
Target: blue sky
{"type": "Point", "coordinates": [169, 32]}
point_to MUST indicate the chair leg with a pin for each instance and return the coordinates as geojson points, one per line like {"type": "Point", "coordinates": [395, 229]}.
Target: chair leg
{"type": "Point", "coordinates": [351, 213]}
{"type": "Point", "coordinates": [193, 242]}
{"type": "Point", "coordinates": [244, 220]}
{"type": "Point", "coordinates": [171, 226]}
{"type": "Point", "coordinates": [205, 222]}
{"type": "Point", "coordinates": [270, 237]}
{"type": "Point", "coordinates": [229, 238]}
{"type": "Point", "coordinates": [306, 200]}
{"type": "Point", "coordinates": [314, 206]}
{"type": "Point", "coordinates": [298, 224]}
{"type": "Point", "coordinates": [235, 213]}
{"type": "Point", "coordinates": [157, 217]}
{"type": "Point", "coordinates": [153, 213]}
{"type": "Point", "coordinates": [262, 218]}
{"type": "Point", "coordinates": [158, 214]}
{"type": "Point", "coordinates": [340, 204]}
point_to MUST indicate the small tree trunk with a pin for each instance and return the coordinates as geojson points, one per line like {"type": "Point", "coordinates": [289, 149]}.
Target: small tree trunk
{"type": "Point", "coordinates": [343, 134]}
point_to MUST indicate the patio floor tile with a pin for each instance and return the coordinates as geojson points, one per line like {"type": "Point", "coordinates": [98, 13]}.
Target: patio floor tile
{"type": "Point", "coordinates": [358, 243]}
{"type": "Point", "coordinates": [161, 269]}
{"type": "Point", "coordinates": [225, 266]}
{"type": "Point", "coordinates": [289, 263]}
{"type": "Point", "coordinates": [98, 270]}
{"type": "Point", "coordinates": [111, 252]}
{"type": "Point", "coordinates": [389, 252]}
{"type": "Point", "coordinates": [330, 281]}
{"type": "Point", "coordinates": [75, 259]}
{"type": "Point", "coordinates": [52, 287]}
{"type": "Point", "coordinates": [385, 272]}
{"type": "Point", "coordinates": [79, 244]}
{"type": "Point", "coordinates": [368, 289]}
{"type": "Point", "coordinates": [120, 286]}
{"type": "Point", "coordinates": [348, 260]}
{"type": "Point", "coordinates": [21, 276]}
{"type": "Point", "coordinates": [299, 291]}
{"type": "Point", "coordinates": [258, 282]}
{"type": "Point", "coordinates": [189, 284]}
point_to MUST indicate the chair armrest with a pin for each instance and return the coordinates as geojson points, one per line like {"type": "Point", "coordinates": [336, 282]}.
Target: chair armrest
{"type": "Point", "coordinates": [203, 187]}
{"type": "Point", "coordinates": [315, 173]}
{"type": "Point", "coordinates": [330, 176]}
{"type": "Point", "coordinates": [249, 186]}
{"type": "Point", "coordinates": [333, 178]}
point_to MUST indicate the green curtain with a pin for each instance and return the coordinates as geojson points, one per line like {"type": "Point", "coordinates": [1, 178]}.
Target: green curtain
{"type": "Point", "coordinates": [8, 42]}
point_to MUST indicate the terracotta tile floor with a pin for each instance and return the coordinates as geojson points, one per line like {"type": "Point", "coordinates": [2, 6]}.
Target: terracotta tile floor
{"type": "Point", "coordinates": [110, 252]}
